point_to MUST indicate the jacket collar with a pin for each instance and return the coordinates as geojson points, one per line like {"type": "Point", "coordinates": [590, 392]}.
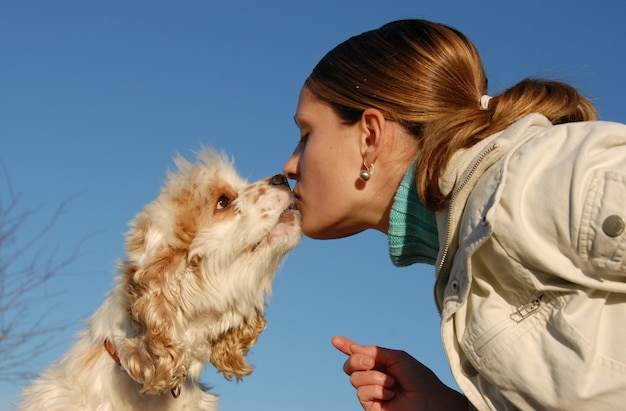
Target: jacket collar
{"type": "Point", "coordinates": [464, 170]}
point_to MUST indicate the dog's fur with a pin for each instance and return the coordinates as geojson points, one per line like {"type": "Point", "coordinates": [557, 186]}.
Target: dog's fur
{"type": "Point", "coordinates": [200, 262]}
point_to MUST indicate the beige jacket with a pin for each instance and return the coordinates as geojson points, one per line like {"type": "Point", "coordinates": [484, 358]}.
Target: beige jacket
{"type": "Point", "coordinates": [532, 269]}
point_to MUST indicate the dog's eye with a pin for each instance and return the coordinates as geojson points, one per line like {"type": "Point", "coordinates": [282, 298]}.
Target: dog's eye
{"type": "Point", "coordinates": [222, 203]}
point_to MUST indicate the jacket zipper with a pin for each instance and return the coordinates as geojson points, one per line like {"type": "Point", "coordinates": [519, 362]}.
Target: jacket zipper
{"type": "Point", "coordinates": [526, 310]}
{"type": "Point", "coordinates": [446, 249]}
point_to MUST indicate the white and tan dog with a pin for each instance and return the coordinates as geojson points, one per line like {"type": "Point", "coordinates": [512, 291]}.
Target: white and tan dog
{"type": "Point", "coordinates": [200, 262]}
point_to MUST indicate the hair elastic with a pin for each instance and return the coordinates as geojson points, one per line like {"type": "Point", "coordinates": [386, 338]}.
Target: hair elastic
{"type": "Point", "coordinates": [484, 102]}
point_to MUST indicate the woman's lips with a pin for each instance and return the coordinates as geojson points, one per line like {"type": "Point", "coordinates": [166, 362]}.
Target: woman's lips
{"type": "Point", "coordinates": [296, 200]}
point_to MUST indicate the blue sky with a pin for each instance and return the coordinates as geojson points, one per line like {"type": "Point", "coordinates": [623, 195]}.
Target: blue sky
{"type": "Point", "coordinates": [96, 98]}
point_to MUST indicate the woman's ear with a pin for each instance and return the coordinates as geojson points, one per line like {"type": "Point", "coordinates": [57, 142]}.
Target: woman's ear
{"type": "Point", "coordinates": [373, 126]}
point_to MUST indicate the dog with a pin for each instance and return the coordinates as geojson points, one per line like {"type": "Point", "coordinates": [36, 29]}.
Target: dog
{"type": "Point", "coordinates": [199, 266]}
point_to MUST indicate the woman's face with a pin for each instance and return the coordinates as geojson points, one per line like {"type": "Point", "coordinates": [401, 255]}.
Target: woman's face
{"type": "Point", "coordinates": [326, 165]}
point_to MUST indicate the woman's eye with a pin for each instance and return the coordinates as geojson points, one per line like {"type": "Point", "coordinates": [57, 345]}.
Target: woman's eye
{"type": "Point", "coordinates": [222, 203]}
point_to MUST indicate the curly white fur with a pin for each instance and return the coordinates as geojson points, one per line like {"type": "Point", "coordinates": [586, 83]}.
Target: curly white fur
{"type": "Point", "coordinates": [200, 262]}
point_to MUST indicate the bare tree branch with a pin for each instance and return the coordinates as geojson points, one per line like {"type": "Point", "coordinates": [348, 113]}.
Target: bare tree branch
{"type": "Point", "coordinates": [23, 284]}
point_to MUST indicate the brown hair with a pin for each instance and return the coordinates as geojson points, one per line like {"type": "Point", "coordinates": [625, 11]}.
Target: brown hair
{"type": "Point", "coordinates": [429, 78]}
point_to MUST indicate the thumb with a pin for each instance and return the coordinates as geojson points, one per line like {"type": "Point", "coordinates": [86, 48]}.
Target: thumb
{"type": "Point", "coordinates": [370, 350]}
{"type": "Point", "coordinates": [344, 344]}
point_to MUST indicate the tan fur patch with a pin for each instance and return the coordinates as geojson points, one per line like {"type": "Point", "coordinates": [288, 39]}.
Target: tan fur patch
{"type": "Point", "coordinates": [92, 356]}
{"type": "Point", "coordinates": [230, 193]}
{"type": "Point", "coordinates": [136, 242]}
{"type": "Point", "coordinates": [228, 354]}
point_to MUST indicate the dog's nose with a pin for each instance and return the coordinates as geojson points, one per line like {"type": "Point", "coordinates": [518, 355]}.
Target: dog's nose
{"type": "Point", "coordinates": [279, 180]}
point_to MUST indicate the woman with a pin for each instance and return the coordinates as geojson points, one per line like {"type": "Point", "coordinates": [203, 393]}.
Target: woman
{"type": "Point", "coordinates": [517, 200]}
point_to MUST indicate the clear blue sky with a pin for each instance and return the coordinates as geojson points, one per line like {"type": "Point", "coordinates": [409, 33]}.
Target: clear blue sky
{"type": "Point", "coordinates": [97, 97]}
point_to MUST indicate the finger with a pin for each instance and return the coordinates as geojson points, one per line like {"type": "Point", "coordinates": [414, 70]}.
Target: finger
{"type": "Point", "coordinates": [369, 350]}
{"type": "Point", "coordinates": [373, 377]}
{"type": "Point", "coordinates": [374, 393]}
{"type": "Point", "coordinates": [358, 362]}
{"type": "Point", "coordinates": [363, 358]}
{"type": "Point", "coordinates": [343, 344]}
{"type": "Point", "coordinates": [385, 358]}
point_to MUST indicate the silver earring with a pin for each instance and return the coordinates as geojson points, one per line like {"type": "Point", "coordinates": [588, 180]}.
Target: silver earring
{"type": "Point", "coordinates": [367, 173]}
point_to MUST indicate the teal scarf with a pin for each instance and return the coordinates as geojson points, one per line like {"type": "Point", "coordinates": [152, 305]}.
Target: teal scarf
{"type": "Point", "coordinates": [412, 227]}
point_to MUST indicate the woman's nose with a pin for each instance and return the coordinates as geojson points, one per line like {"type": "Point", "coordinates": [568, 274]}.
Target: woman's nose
{"type": "Point", "coordinates": [291, 168]}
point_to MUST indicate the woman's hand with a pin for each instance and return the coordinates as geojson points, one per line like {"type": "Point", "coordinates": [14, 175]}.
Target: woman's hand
{"type": "Point", "coordinates": [391, 380]}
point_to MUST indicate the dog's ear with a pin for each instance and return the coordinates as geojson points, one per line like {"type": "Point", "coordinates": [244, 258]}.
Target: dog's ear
{"type": "Point", "coordinates": [228, 353]}
{"type": "Point", "coordinates": [155, 357]}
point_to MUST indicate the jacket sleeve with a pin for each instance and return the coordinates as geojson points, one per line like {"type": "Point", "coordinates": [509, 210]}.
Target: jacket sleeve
{"type": "Point", "coordinates": [566, 200]}
{"type": "Point", "coordinates": [601, 240]}
{"type": "Point", "coordinates": [598, 195]}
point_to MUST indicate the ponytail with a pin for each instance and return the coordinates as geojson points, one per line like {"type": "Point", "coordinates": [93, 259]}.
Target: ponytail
{"type": "Point", "coordinates": [559, 102]}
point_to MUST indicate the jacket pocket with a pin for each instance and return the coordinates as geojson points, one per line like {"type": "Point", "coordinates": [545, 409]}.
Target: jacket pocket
{"type": "Point", "coordinates": [602, 238]}
{"type": "Point", "coordinates": [482, 347]}
{"type": "Point", "coordinates": [546, 362]}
